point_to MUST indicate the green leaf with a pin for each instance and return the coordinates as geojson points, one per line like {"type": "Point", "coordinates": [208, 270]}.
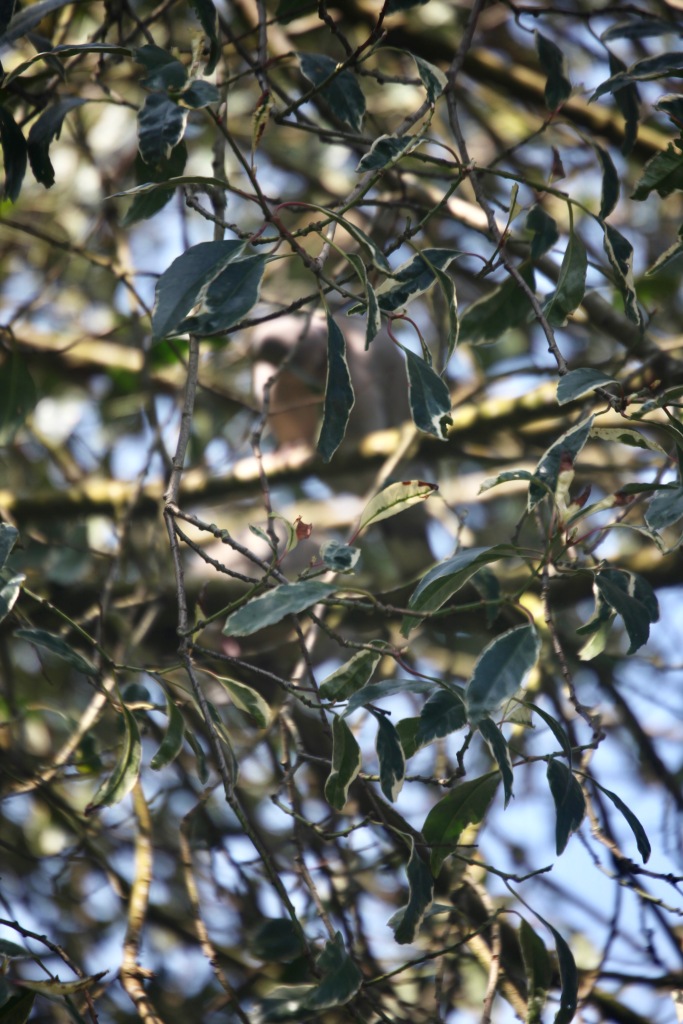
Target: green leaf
{"type": "Point", "coordinates": [632, 597]}
{"type": "Point", "coordinates": [202, 770]}
{"type": "Point", "coordinates": [12, 951]}
{"type": "Point", "coordinates": [18, 395]}
{"type": "Point", "coordinates": [558, 88]}
{"type": "Point", "coordinates": [247, 699]}
{"type": "Point", "coordinates": [672, 106]}
{"type": "Point", "coordinates": [644, 848]}
{"type": "Point", "coordinates": [466, 804]}
{"type": "Point", "coordinates": [8, 538]}
{"type": "Point", "coordinates": [546, 474]}
{"type": "Point", "coordinates": [9, 592]}
{"type": "Point", "coordinates": [500, 671]}
{"type": "Point", "coordinates": [609, 195]}
{"type": "Point", "coordinates": [392, 762]}
{"type": "Point", "coordinates": [339, 396]}
{"type": "Point", "coordinates": [579, 382]}
{"type": "Point", "coordinates": [640, 27]}
{"type": "Point", "coordinates": [571, 283]}
{"type": "Point", "coordinates": [505, 307]}
{"type": "Point", "coordinates": [430, 399]}
{"type": "Point", "coordinates": [341, 978]}
{"type": "Point", "coordinates": [373, 692]}
{"type": "Point", "coordinates": [350, 676]}
{"type": "Point", "coordinates": [342, 93]}
{"type": "Point", "coordinates": [569, 978]}
{"type": "Point", "coordinates": [43, 131]}
{"type": "Point", "coordinates": [539, 971]}
{"type": "Point", "coordinates": [161, 126]}
{"type": "Point", "coordinates": [58, 646]}
{"type": "Point", "coordinates": [407, 920]}
{"type": "Point", "coordinates": [394, 499]}
{"type": "Point", "coordinates": [376, 254]}
{"type": "Point", "coordinates": [446, 578]}
{"type": "Point", "coordinates": [126, 770]}
{"type": "Point", "coordinates": [387, 149]}
{"type": "Point", "coordinates": [345, 764]}
{"type": "Point", "coordinates": [407, 730]}
{"type": "Point", "coordinates": [442, 713]}
{"type": "Point", "coordinates": [499, 748]}
{"type": "Point", "coordinates": [570, 805]}
{"type": "Point", "coordinates": [413, 278]}
{"type": "Point", "coordinates": [14, 155]}
{"type": "Point", "coordinates": [148, 203]}
{"type": "Point", "coordinates": [339, 557]}
{"type": "Point", "coordinates": [206, 12]}
{"type": "Point", "coordinates": [276, 940]}
{"type": "Point", "coordinates": [664, 65]}
{"type": "Point", "coordinates": [373, 315]}
{"type": "Point", "coordinates": [620, 254]}
{"type": "Point", "coordinates": [597, 628]}
{"type": "Point", "coordinates": [199, 94]}
{"type": "Point", "coordinates": [555, 727]}
{"type": "Point", "coordinates": [164, 71]}
{"type": "Point", "coordinates": [545, 233]}
{"type": "Point", "coordinates": [17, 1009]}
{"type": "Point", "coordinates": [504, 478]}
{"type": "Point", "coordinates": [663, 174]}
{"type": "Point", "coordinates": [172, 743]}
{"type": "Point", "coordinates": [627, 436]}
{"type": "Point", "coordinates": [186, 281]}
{"type": "Point", "coordinates": [447, 286]}
{"type": "Point", "coordinates": [433, 78]}
{"type": "Point", "coordinates": [665, 509]}
{"type": "Point", "coordinates": [628, 102]}
{"type": "Point", "coordinates": [275, 605]}
{"type": "Point", "coordinates": [228, 298]}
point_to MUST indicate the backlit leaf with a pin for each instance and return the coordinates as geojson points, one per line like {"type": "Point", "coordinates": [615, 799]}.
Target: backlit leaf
{"type": "Point", "coordinates": [632, 597]}
{"type": "Point", "coordinates": [339, 396]}
{"type": "Point", "coordinates": [664, 65]}
{"type": "Point", "coordinates": [14, 155]}
{"type": "Point", "coordinates": [346, 763]}
{"type": "Point", "coordinates": [466, 804]}
{"type": "Point", "coordinates": [9, 592]}
{"type": "Point", "coordinates": [665, 509]}
{"type": "Point", "coordinates": [275, 605]}
{"type": "Point", "coordinates": [373, 692]}
{"type": "Point", "coordinates": [8, 538]}
{"type": "Point", "coordinates": [663, 174]}
{"type": "Point", "coordinates": [386, 149]}
{"type": "Point", "coordinates": [394, 499]}
{"type": "Point", "coordinates": [442, 713]}
{"type": "Point", "coordinates": [620, 255]}
{"type": "Point", "coordinates": [172, 743]}
{"type": "Point", "coordinates": [433, 78]}
{"type": "Point", "coordinates": [350, 676]}
{"type": "Point", "coordinates": [248, 700]}
{"type": "Point", "coordinates": [413, 278]}
{"type": "Point", "coordinates": [539, 971]}
{"type": "Point", "coordinates": [500, 671]}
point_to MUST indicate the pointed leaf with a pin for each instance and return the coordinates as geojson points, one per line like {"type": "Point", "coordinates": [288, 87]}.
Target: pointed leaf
{"type": "Point", "coordinates": [539, 971]}
{"type": "Point", "coordinates": [579, 382]}
{"type": "Point", "coordinates": [342, 93]}
{"type": "Point", "coordinates": [373, 692]}
{"type": "Point", "coordinates": [406, 921]}
{"type": "Point", "coordinates": [58, 646]}
{"type": "Point", "coordinates": [164, 70]}
{"type": "Point", "coordinates": [547, 472]}
{"type": "Point", "coordinates": [499, 748]}
{"type": "Point", "coordinates": [632, 597]}
{"type": "Point", "coordinates": [248, 700]}
{"type": "Point", "coordinates": [569, 978]}
{"type": "Point", "coordinates": [17, 1009]}
{"type": "Point", "coordinates": [345, 764]}
{"type": "Point", "coordinates": [407, 730]}
{"type": "Point", "coordinates": [275, 605]}
{"type": "Point", "coordinates": [373, 315]}
{"type": "Point", "coordinates": [413, 278]}
{"type": "Point", "coordinates": [555, 727]}
{"type": "Point", "coordinates": [8, 538]}
{"type": "Point", "coordinates": [206, 12]}
{"type": "Point", "coordinates": [663, 174]}
{"type": "Point", "coordinates": [228, 298]}
{"type": "Point", "coordinates": [445, 579]}
{"type": "Point", "coordinates": [430, 399]}
{"type": "Point", "coordinates": [9, 592]}
{"type": "Point", "coordinates": [43, 131]}
{"type": "Point", "coordinates": [394, 499]}
{"type": "Point", "coordinates": [558, 87]}
{"type": "Point", "coordinates": [644, 848]}
{"type": "Point", "coordinates": [14, 155]}
{"type": "Point", "coordinates": [610, 182]}
{"type": "Point", "coordinates": [466, 804]}
{"type": "Point", "coordinates": [387, 149]}
{"type": "Point", "coordinates": [665, 509]}
{"type": "Point", "coordinates": [187, 279]}
{"type": "Point", "coordinates": [172, 743]}
{"type": "Point", "coordinates": [161, 126]}
{"type": "Point", "coordinates": [664, 65]}
{"type": "Point", "coordinates": [545, 233]}
{"type": "Point", "coordinates": [339, 396]}
{"type": "Point", "coordinates": [620, 255]}
{"type": "Point", "coordinates": [443, 713]}
{"type": "Point", "coordinates": [501, 670]}
{"type": "Point", "coordinates": [341, 978]}
{"type": "Point", "coordinates": [126, 770]}
{"type": "Point", "coordinates": [433, 78]}
{"type": "Point", "coordinates": [351, 676]}
{"type": "Point", "coordinates": [392, 762]}
{"type": "Point", "coordinates": [570, 805]}
{"type": "Point", "coordinates": [506, 306]}
{"type": "Point", "coordinates": [571, 283]}
{"type": "Point", "coordinates": [148, 203]}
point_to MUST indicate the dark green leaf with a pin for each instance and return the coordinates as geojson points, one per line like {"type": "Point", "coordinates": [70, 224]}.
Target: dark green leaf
{"type": "Point", "coordinates": [386, 149]}
{"type": "Point", "coordinates": [644, 848]}
{"type": "Point", "coordinates": [567, 447]}
{"type": "Point", "coordinates": [339, 396]}
{"type": "Point", "coordinates": [544, 229]}
{"type": "Point", "coordinates": [373, 692]}
{"type": "Point", "coordinates": [632, 597]}
{"type": "Point", "coordinates": [276, 940]}
{"type": "Point", "coordinates": [579, 382]}
{"type": "Point", "coordinates": [202, 770]}
{"type": "Point", "coordinates": [17, 395]}
{"type": "Point", "coordinates": [9, 592]}
{"type": "Point", "coordinates": [558, 88]}
{"type": "Point", "coordinates": [350, 676]}
{"type": "Point", "coordinates": [609, 195]}
{"type": "Point", "coordinates": [247, 699]}
{"type": "Point", "coordinates": [58, 646]}
{"type": "Point", "coordinates": [275, 605]}
{"type": "Point", "coordinates": [339, 557]}
{"type": "Point", "coordinates": [628, 102]}
{"type": "Point", "coordinates": [447, 287]}
{"type": "Point", "coordinates": [12, 951]}
{"type": "Point", "coordinates": [665, 509]}
{"type": "Point", "coordinates": [504, 478]}
{"type": "Point", "coordinates": [571, 283]}
{"type": "Point", "coordinates": [664, 65]}
{"type": "Point", "coordinates": [499, 748]}
{"type": "Point", "coordinates": [433, 78]}
{"type": "Point", "coordinates": [126, 771]}
{"type": "Point", "coordinates": [172, 743]}
{"type": "Point", "coordinates": [43, 131]}
{"type": "Point", "coordinates": [446, 578]}
{"type": "Point", "coordinates": [413, 278]}
{"type": "Point", "coordinates": [341, 978]}
{"type": "Point", "coordinates": [430, 399]}
{"type": "Point", "coordinates": [506, 306]}
{"type": "Point", "coordinates": [640, 27]}
{"type": "Point", "coordinates": [199, 94]}
{"type": "Point", "coordinates": [161, 126]}
{"type": "Point", "coordinates": [466, 804]}
{"type": "Point", "coordinates": [663, 173]}
{"type": "Point", "coordinates": [342, 93]}
{"type": "Point", "coordinates": [164, 71]}
{"type": "Point", "coordinates": [376, 254]}
{"type": "Point", "coordinates": [570, 805]}
{"type": "Point", "coordinates": [392, 762]}
{"type": "Point", "coordinates": [14, 155]}
{"type": "Point", "coordinates": [373, 315]}
{"type": "Point", "coordinates": [394, 498]}
{"type": "Point", "coordinates": [8, 538]}
{"type": "Point", "coordinates": [569, 977]}
{"type": "Point", "coordinates": [50, 56]}
{"type": "Point", "coordinates": [148, 203]}
{"type": "Point", "coordinates": [673, 108]}
{"type": "Point", "coordinates": [186, 281]}
{"type": "Point", "coordinates": [17, 1009]}
{"type": "Point", "coordinates": [555, 727]}
{"type": "Point", "coordinates": [407, 920]}
{"type": "Point", "coordinates": [345, 764]}
{"type": "Point", "coordinates": [206, 12]}
{"type": "Point", "coordinates": [228, 298]}
{"type": "Point", "coordinates": [407, 730]}
{"type": "Point", "coordinates": [443, 713]}
{"type": "Point", "coordinates": [500, 671]}
{"type": "Point", "coordinates": [539, 971]}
